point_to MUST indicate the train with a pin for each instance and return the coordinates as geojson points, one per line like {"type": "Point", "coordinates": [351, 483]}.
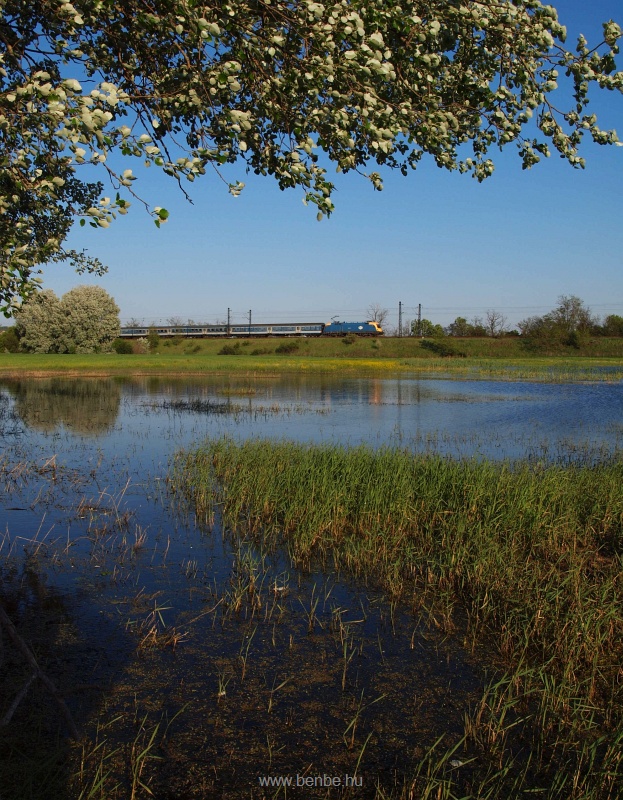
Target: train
{"type": "Point", "coordinates": [311, 329]}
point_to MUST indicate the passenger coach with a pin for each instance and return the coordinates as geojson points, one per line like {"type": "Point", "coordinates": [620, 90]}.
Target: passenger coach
{"type": "Point", "coordinates": [370, 328]}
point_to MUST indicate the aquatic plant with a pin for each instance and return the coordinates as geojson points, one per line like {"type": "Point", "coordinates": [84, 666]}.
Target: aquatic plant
{"type": "Point", "coordinates": [525, 558]}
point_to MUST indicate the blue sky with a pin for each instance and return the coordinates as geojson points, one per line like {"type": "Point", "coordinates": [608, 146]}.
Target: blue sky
{"type": "Point", "coordinates": [514, 243]}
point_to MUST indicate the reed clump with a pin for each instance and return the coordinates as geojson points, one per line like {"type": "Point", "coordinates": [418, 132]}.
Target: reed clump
{"type": "Point", "coordinates": [525, 558]}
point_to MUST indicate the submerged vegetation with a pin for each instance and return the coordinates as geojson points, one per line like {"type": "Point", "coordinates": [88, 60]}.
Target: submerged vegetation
{"type": "Point", "coordinates": [523, 561]}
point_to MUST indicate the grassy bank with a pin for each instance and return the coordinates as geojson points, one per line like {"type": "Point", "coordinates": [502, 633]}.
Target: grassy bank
{"type": "Point", "coordinates": [393, 348]}
{"type": "Point", "coordinates": [391, 356]}
{"type": "Point", "coordinates": [524, 561]}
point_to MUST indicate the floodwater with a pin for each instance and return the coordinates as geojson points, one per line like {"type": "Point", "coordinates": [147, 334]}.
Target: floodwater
{"type": "Point", "coordinates": [242, 665]}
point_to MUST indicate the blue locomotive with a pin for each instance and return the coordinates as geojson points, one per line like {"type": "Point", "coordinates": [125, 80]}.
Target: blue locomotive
{"type": "Point", "coordinates": [370, 328]}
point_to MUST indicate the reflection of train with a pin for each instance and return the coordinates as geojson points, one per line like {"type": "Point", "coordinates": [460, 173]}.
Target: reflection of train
{"type": "Point", "coordinates": [192, 331]}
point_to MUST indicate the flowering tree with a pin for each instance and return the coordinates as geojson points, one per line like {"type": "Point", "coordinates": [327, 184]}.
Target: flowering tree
{"type": "Point", "coordinates": [284, 85]}
{"type": "Point", "coordinates": [91, 320]}
{"type": "Point", "coordinates": [39, 324]}
{"type": "Point", "coordinates": [84, 320]}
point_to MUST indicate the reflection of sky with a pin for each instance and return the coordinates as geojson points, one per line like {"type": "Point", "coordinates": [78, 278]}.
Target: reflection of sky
{"type": "Point", "coordinates": [493, 418]}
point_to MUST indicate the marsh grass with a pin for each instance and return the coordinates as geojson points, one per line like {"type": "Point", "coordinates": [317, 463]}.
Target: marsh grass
{"type": "Point", "coordinates": [199, 406]}
{"type": "Point", "coordinates": [523, 559]}
{"type": "Point", "coordinates": [234, 410]}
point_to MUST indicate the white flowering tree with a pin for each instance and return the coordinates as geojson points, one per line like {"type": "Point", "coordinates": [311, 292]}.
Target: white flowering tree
{"type": "Point", "coordinates": [84, 320]}
{"type": "Point", "coordinates": [39, 323]}
{"type": "Point", "coordinates": [284, 85]}
{"type": "Point", "coordinates": [90, 320]}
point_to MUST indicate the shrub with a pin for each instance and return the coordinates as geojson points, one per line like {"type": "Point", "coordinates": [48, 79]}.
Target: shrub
{"type": "Point", "coordinates": [569, 324]}
{"type": "Point", "coordinates": [230, 350]}
{"type": "Point", "coordinates": [442, 349]}
{"type": "Point", "coordinates": [350, 338]}
{"type": "Point", "coordinates": [578, 339]}
{"type": "Point", "coordinates": [427, 328]}
{"type": "Point", "coordinates": [153, 338]}
{"type": "Point", "coordinates": [9, 341]}
{"type": "Point", "coordinates": [140, 346]}
{"type": "Point", "coordinates": [122, 347]}
{"type": "Point", "coordinates": [287, 347]}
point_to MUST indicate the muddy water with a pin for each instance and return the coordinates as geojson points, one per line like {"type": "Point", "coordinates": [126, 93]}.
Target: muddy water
{"type": "Point", "coordinates": [221, 661]}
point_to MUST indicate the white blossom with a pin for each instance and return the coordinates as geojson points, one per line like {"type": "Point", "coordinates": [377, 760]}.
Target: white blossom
{"type": "Point", "coordinates": [194, 86]}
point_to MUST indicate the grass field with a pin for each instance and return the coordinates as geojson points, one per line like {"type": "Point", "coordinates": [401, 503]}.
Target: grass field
{"type": "Point", "coordinates": [488, 358]}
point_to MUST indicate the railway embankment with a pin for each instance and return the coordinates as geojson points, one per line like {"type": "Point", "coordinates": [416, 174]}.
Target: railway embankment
{"type": "Point", "coordinates": [601, 358]}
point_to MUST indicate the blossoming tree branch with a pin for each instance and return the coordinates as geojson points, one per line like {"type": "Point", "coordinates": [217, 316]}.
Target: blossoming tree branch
{"type": "Point", "coordinates": [286, 86]}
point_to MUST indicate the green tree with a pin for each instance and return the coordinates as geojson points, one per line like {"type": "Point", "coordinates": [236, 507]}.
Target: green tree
{"type": "Point", "coordinates": [427, 329]}
{"type": "Point", "coordinates": [613, 325]}
{"type": "Point", "coordinates": [460, 327]}
{"type": "Point", "coordinates": [85, 320]}
{"type": "Point", "coordinates": [477, 327]}
{"type": "Point", "coordinates": [9, 341]}
{"type": "Point", "coordinates": [186, 86]}
{"type": "Point", "coordinates": [153, 338]}
{"type": "Point", "coordinates": [569, 323]}
{"type": "Point", "coordinates": [572, 315]}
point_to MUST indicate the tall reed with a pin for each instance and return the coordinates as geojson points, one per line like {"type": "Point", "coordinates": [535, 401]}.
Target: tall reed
{"type": "Point", "coordinates": [529, 556]}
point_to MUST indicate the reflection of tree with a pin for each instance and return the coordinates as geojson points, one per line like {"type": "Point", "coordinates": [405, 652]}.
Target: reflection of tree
{"type": "Point", "coordinates": [87, 407]}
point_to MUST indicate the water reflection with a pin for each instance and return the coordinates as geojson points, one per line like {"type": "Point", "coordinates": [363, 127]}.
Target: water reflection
{"type": "Point", "coordinates": [85, 407]}
{"type": "Point", "coordinates": [496, 419]}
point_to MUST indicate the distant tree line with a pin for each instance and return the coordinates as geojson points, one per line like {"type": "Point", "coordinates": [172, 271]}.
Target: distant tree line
{"type": "Point", "coordinates": [570, 323]}
{"type": "Point", "coordinates": [493, 324]}
{"type": "Point", "coordinates": [86, 320]}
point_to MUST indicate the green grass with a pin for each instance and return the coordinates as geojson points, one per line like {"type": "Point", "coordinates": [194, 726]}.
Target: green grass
{"type": "Point", "coordinates": [525, 560]}
{"type": "Point", "coordinates": [396, 348]}
{"type": "Point", "coordinates": [486, 358]}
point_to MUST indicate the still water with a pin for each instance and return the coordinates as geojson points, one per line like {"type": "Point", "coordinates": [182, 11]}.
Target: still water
{"type": "Point", "coordinates": [492, 418]}
{"type": "Point", "coordinates": [274, 669]}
